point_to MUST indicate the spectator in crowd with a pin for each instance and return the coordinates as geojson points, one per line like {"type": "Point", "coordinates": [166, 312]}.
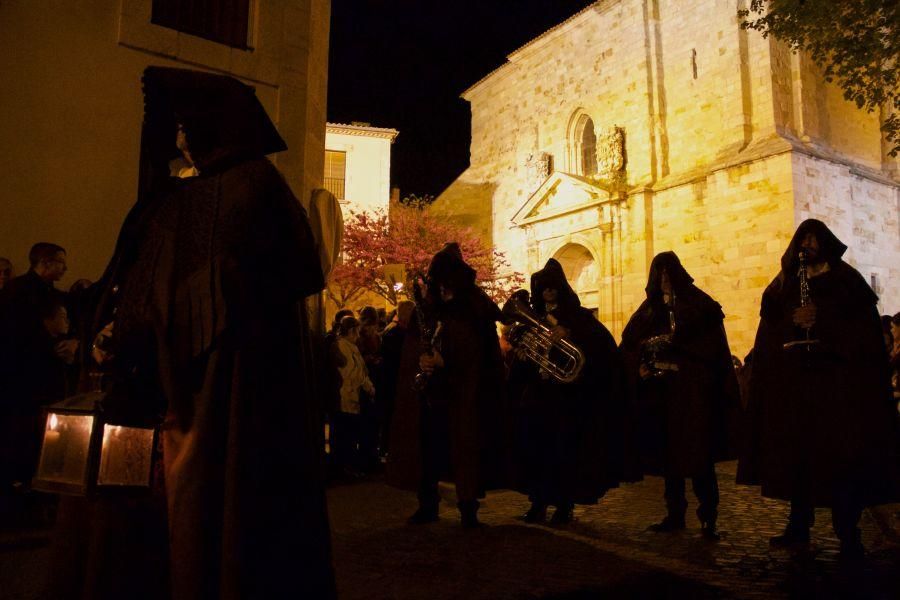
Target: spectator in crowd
{"type": "Point", "coordinates": [348, 422]}
{"type": "Point", "coordinates": [23, 350]}
{"type": "Point", "coordinates": [6, 272]}
{"type": "Point", "coordinates": [369, 340]}
{"type": "Point", "coordinates": [331, 382]}
{"type": "Point", "coordinates": [47, 383]}
{"type": "Point", "coordinates": [335, 361]}
{"type": "Point", "coordinates": [370, 347]}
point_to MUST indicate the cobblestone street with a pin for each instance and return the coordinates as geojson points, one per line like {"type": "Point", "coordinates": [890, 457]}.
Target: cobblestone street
{"type": "Point", "coordinates": [606, 553]}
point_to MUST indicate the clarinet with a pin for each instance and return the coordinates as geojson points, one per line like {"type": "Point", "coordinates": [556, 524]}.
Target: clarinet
{"type": "Point", "coordinates": [802, 275]}
{"type": "Point", "coordinates": [427, 336]}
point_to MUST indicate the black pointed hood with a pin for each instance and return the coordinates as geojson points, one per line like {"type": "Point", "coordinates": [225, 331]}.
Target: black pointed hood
{"type": "Point", "coordinates": [448, 268]}
{"type": "Point", "coordinates": [552, 276]}
{"type": "Point", "coordinates": [831, 249]}
{"type": "Point", "coordinates": [222, 118]}
{"type": "Point", "coordinates": [678, 275]}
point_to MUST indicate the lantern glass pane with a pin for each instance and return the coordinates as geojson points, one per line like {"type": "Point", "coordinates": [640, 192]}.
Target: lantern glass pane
{"type": "Point", "coordinates": [126, 456]}
{"type": "Point", "coordinates": [64, 454]}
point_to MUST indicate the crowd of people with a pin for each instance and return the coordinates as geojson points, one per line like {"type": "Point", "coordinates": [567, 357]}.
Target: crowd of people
{"type": "Point", "coordinates": [198, 325]}
{"type": "Point", "coordinates": [363, 358]}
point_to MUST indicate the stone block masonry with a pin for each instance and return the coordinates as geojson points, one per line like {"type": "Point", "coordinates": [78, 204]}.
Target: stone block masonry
{"type": "Point", "coordinates": [730, 140]}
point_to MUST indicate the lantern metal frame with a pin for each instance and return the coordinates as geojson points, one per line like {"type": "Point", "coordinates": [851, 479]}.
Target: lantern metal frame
{"type": "Point", "coordinates": [88, 405]}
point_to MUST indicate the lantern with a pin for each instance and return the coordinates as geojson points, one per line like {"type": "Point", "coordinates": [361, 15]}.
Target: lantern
{"type": "Point", "coordinates": [83, 453]}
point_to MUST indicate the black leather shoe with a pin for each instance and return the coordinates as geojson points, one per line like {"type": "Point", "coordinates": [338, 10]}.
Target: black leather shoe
{"type": "Point", "coordinates": [561, 516]}
{"type": "Point", "coordinates": [535, 514]}
{"type": "Point", "coordinates": [710, 532]}
{"type": "Point", "coordinates": [852, 550]}
{"type": "Point", "coordinates": [468, 514]}
{"type": "Point", "coordinates": [668, 524]}
{"type": "Point", "coordinates": [791, 537]}
{"type": "Point", "coordinates": [469, 520]}
{"type": "Point", "coordinates": [423, 515]}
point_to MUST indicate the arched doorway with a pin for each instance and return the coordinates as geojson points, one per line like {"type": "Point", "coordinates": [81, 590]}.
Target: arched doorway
{"type": "Point", "coordinates": [582, 271]}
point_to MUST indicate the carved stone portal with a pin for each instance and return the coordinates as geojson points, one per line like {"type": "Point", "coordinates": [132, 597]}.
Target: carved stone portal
{"type": "Point", "coordinates": [611, 157]}
{"type": "Point", "coordinates": [538, 167]}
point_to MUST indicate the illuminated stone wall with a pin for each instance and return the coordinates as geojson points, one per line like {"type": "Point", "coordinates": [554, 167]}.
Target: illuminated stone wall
{"type": "Point", "coordinates": [71, 110]}
{"type": "Point", "coordinates": [730, 141]}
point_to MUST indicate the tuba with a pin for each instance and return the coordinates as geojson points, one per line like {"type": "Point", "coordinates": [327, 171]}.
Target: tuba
{"type": "Point", "coordinates": [558, 358]}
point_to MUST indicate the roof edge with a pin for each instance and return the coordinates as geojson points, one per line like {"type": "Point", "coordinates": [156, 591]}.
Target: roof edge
{"type": "Point", "coordinates": [521, 50]}
{"type": "Point", "coordinates": [362, 130]}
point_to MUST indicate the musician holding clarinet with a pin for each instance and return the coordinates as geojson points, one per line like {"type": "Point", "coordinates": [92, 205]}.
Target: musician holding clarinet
{"type": "Point", "coordinates": [571, 401]}
{"type": "Point", "coordinates": [460, 386]}
{"type": "Point", "coordinates": [684, 389]}
{"type": "Point", "coordinates": [822, 432]}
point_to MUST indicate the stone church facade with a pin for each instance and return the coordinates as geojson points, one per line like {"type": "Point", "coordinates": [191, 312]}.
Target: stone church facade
{"type": "Point", "coordinates": [638, 126]}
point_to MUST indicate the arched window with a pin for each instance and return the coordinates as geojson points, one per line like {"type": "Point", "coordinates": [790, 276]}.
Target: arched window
{"type": "Point", "coordinates": [582, 145]}
{"type": "Point", "coordinates": [588, 149]}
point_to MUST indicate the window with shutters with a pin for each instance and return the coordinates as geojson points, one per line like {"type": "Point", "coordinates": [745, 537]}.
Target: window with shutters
{"type": "Point", "coordinates": [335, 173]}
{"type": "Point", "coordinates": [223, 21]}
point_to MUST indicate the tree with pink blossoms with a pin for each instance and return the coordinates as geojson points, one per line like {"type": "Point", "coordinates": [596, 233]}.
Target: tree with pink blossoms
{"type": "Point", "coordinates": [376, 248]}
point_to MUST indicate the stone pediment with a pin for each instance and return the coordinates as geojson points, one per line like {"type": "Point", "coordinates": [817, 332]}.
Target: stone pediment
{"type": "Point", "coordinates": [562, 193]}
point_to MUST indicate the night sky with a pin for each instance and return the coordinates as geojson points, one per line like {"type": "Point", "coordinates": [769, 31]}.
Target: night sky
{"type": "Point", "coordinates": [404, 63]}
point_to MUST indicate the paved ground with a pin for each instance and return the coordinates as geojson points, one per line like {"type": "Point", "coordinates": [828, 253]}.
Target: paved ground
{"type": "Point", "coordinates": [606, 553]}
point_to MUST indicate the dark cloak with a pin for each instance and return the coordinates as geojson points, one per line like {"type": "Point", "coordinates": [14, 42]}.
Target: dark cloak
{"type": "Point", "coordinates": [686, 420]}
{"type": "Point", "coordinates": [571, 435]}
{"type": "Point", "coordinates": [824, 418]}
{"type": "Point", "coordinates": [468, 391]}
{"type": "Point", "coordinates": [208, 278]}
{"type": "Point", "coordinates": [404, 462]}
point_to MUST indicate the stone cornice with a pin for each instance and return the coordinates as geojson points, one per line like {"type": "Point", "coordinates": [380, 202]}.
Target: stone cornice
{"type": "Point", "coordinates": [362, 131]}
{"type": "Point", "coordinates": [763, 149]}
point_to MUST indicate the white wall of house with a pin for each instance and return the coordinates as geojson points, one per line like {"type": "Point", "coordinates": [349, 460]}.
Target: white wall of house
{"type": "Point", "coordinates": [367, 178]}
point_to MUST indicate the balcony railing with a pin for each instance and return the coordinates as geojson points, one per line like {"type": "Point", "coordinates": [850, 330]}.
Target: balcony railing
{"type": "Point", "coordinates": [335, 186]}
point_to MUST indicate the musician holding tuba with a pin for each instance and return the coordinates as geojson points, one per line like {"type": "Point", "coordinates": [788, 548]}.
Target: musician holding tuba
{"type": "Point", "coordinates": [822, 425]}
{"type": "Point", "coordinates": [684, 390]}
{"type": "Point", "coordinates": [571, 405]}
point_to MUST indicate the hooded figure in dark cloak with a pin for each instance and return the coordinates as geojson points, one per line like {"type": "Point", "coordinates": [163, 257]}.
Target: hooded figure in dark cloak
{"type": "Point", "coordinates": [822, 428]}
{"type": "Point", "coordinates": [571, 436]}
{"type": "Point", "coordinates": [684, 388]}
{"type": "Point", "coordinates": [459, 427]}
{"type": "Point", "coordinates": [206, 293]}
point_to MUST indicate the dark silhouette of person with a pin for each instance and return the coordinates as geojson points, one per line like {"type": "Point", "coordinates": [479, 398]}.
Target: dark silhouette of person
{"type": "Point", "coordinates": [26, 351]}
{"type": "Point", "coordinates": [460, 414]}
{"type": "Point", "coordinates": [822, 427]}
{"type": "Point", "coordinates": [206, 292]}
{"type": "Point", "coordinates": [392, 339]}
{"type": "Point", "coordinates": [571, 433]}
{"type": "Point", "coordinates": [685, 391]}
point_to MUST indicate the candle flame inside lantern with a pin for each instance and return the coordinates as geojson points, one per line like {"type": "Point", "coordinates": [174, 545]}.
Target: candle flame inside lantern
{"type": "Point", "coordinates": [54, 422]}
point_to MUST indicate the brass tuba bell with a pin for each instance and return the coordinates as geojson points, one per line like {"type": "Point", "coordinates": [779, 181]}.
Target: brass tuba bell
{"type": "Point", "coordinates": [559, 358]}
